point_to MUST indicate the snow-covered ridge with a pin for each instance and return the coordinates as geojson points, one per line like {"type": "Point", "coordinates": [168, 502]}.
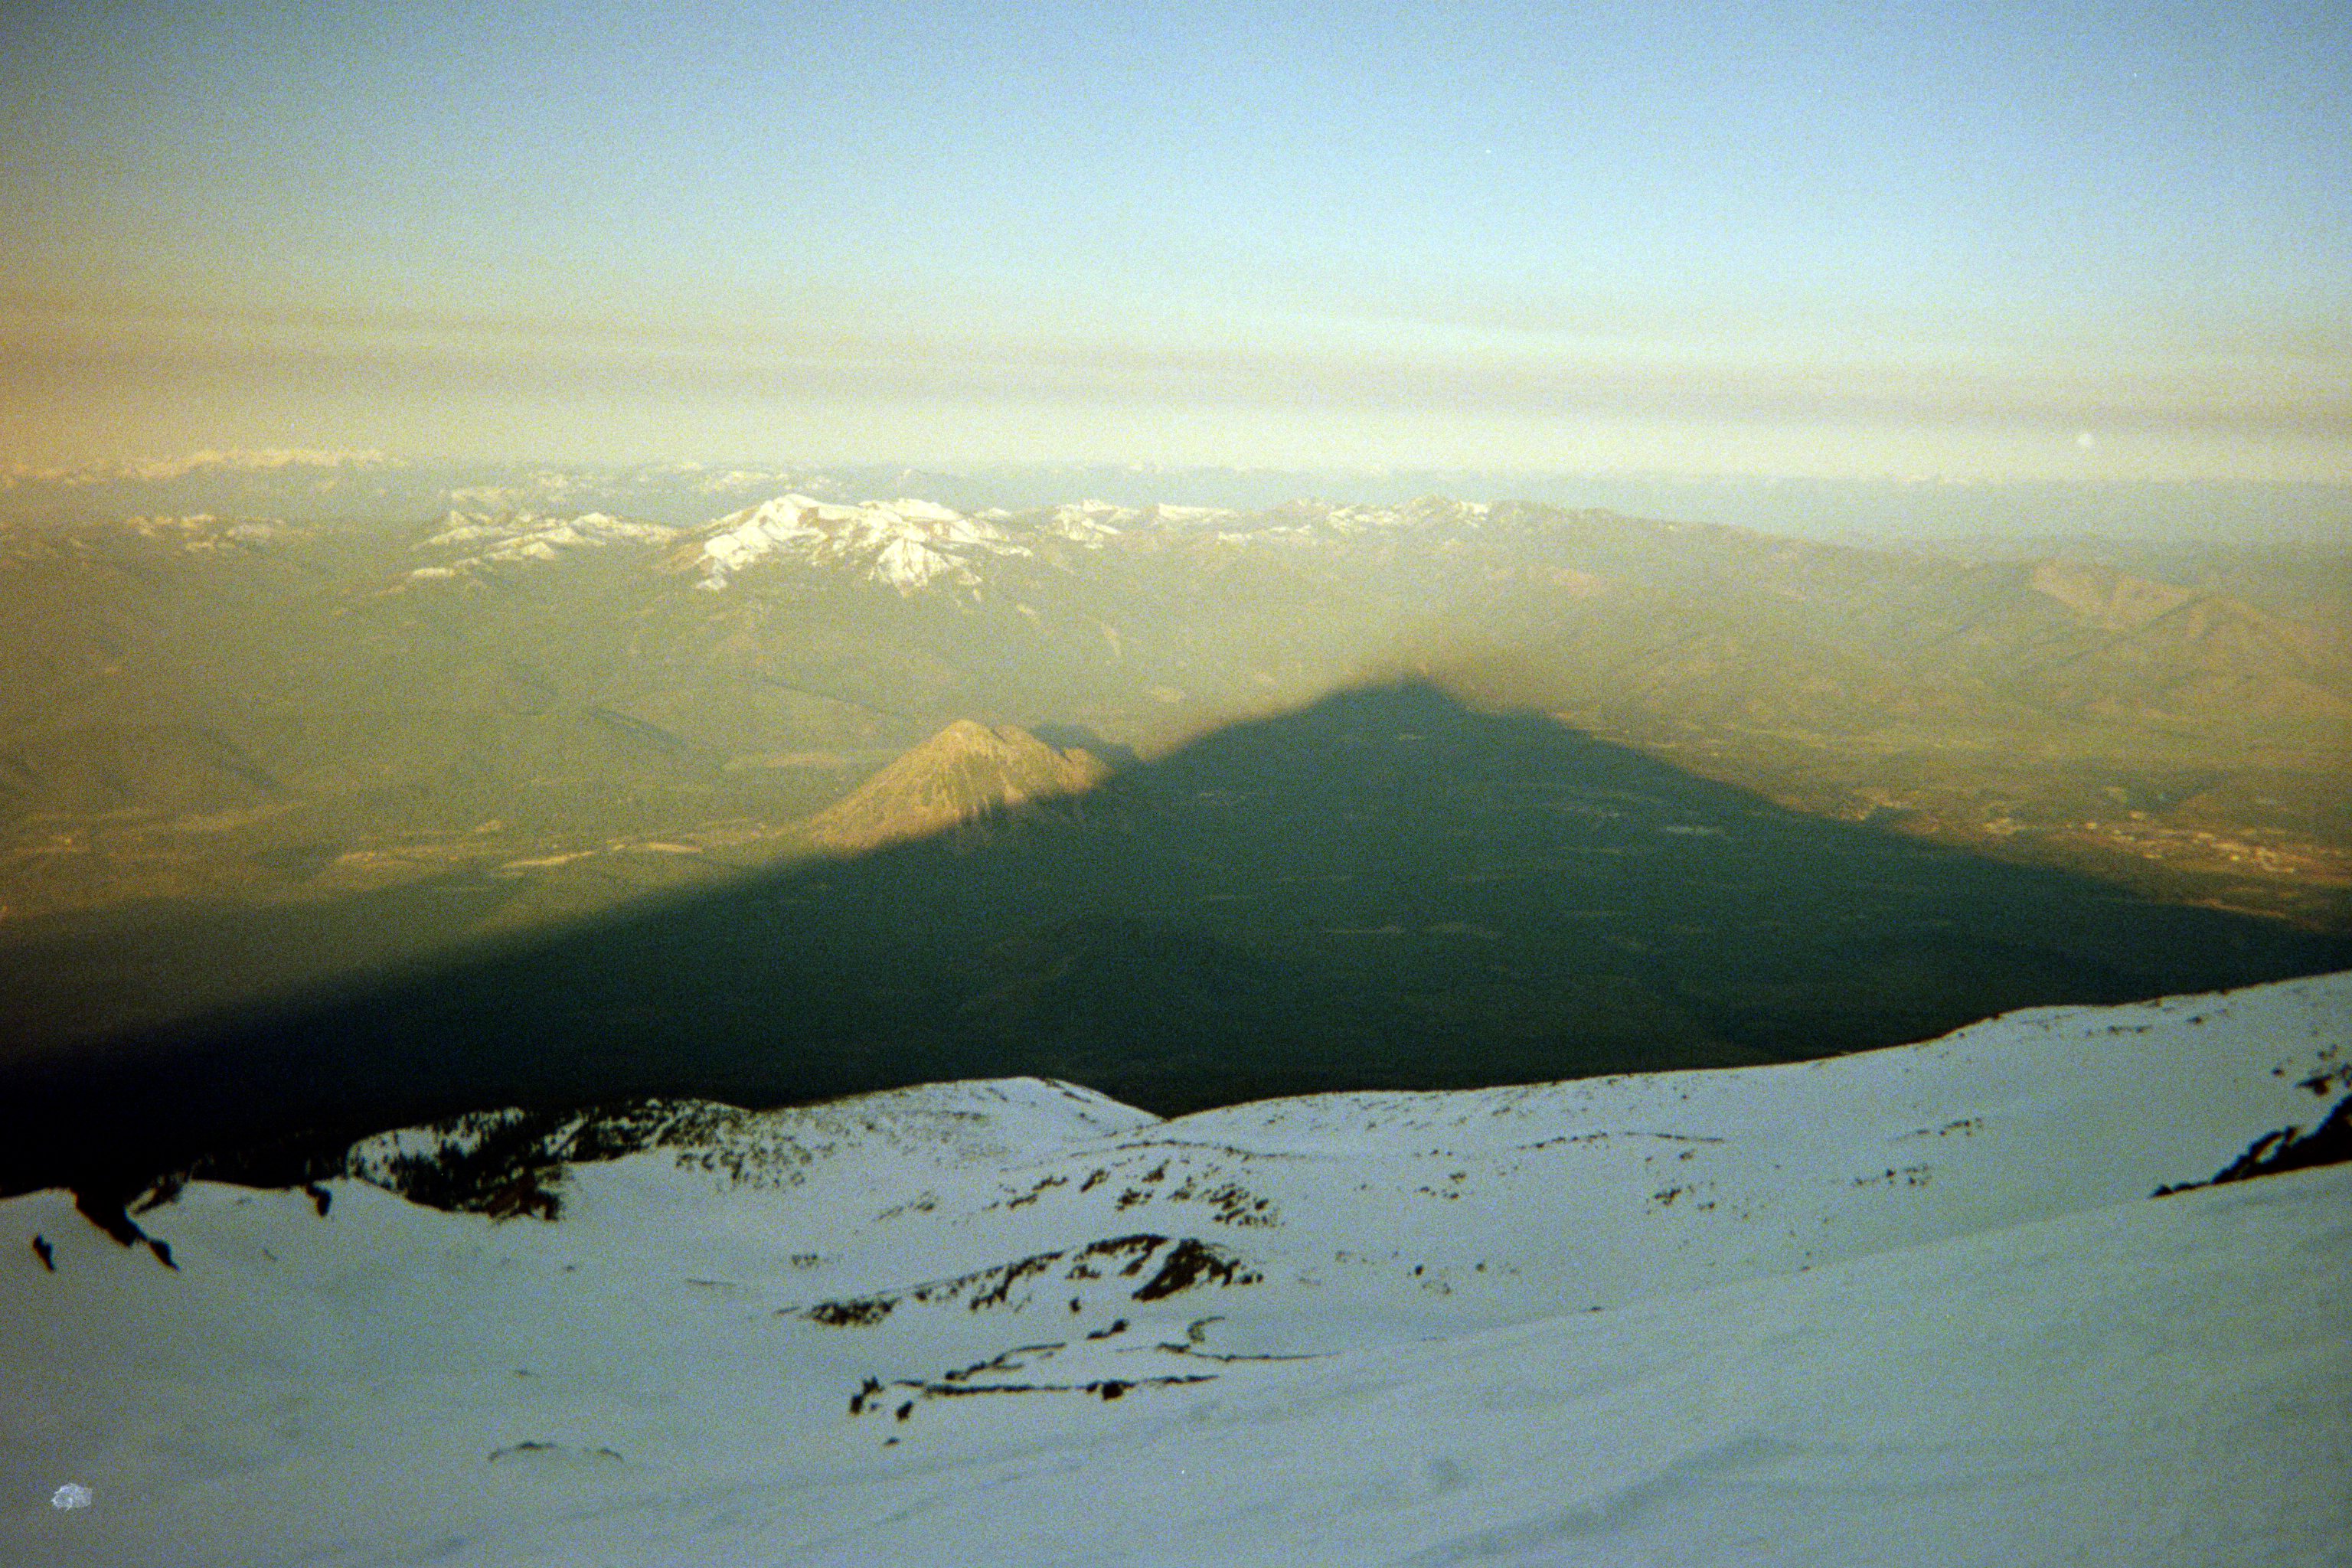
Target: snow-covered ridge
{"type": "Point", "coordinates": [909, 546]}
{"type": "Point", "coordinates": [1425, 511]}
{"type": "Point", "coordinates": [517, 537]}
{"type": "Point", "coordinates": [201, 531]}
{"type": "Point", "coordinates": [916, 545]}
{"type": "Point", "coordinates": [235, 460]}
{"type": "Point", "coordinates": [1845, 1310]}
{"type": "Point", "coordinates": [1630, 1185]}
{"type": "Point", "coordinates": [1297, 520]}
{"type": "Point", "coordinates": [906, 545]}
{"type": "Point", "coordinates": [1086, 520]}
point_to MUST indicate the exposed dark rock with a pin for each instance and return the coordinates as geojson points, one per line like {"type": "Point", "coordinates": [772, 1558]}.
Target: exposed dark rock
{"type": "Point", "coordinates": [500, 1163]}
{"type": "Point", "coordinates": [527, 1195]}
{"type": "Point", "coordinates": [1188, 1263]}
{"type": "Point", "coordinates": [1012, 1274]}
{"type": "Point", "coordinates": [856, 1313]}
{"type": "Point", "coordinates": [108, 1209]}
{"type": "Point", "coordinates": [165, 1190]}
{"type": "Point", "coordinates": [1184, 1264]}
{"type": "Point", "coordinates": [2288, 1149]}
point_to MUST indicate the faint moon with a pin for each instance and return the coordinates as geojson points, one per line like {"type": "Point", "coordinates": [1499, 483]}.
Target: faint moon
{"type": "Point", "coordinates": [2086, 440]}
{"type": "Point", "coordinates": [70, 1495]}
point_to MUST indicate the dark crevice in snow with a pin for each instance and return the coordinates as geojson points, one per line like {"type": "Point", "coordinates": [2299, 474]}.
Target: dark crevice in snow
{"type": "Point", "coordinates": [535, 1449]}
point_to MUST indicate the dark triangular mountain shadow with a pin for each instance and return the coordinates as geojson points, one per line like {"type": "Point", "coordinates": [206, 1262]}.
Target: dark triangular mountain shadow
{"type": "Point", "coordinates": [1065, 737]}
{"type": "Point", "coordinates": [1385, 889]}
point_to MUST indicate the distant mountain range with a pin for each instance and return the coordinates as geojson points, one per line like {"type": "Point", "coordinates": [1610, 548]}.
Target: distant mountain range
{"type": "Point", "coordinates": [510, 717]}
{"type": "Point", "coordinates": [2028, 517]}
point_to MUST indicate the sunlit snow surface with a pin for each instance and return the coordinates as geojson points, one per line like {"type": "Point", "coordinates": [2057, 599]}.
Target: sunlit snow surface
{"type": "Point", "coordinates": [904, 545]}
{"type": "Point", "coordinates": [1915, 1306]}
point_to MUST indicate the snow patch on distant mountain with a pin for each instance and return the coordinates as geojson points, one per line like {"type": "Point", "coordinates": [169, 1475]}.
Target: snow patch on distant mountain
{"type": "Point", "coordinates": [1309, 519]}
{"type": "Point", "coordinates": [201, 531]}
{"type": "Point", "coordinates": [915, 546]}
{"type": "Point", "coordinates": [521, 538]}
{"type": "Point", "coordinates": [908, 545]}
{"type": "Point", "coordinates": [1425, 511]}
{"type": "Point", "coordinates": [734, 480]}
{"type": "Point", "coordinates": [1091, 521]}
{"type": "Point", "coordinates": [235, 460]}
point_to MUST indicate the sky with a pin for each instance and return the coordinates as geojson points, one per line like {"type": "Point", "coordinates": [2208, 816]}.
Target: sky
{"type": "Point", "coordinates": [2102, 242]}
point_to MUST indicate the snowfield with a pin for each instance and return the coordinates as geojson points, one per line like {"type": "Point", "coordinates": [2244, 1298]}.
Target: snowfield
{"type": "Point", "coordinates": [1912, 1306]}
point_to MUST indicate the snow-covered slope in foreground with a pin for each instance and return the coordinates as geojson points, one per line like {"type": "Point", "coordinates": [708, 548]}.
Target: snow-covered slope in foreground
{"type": "Point", "coordinates": [1916, 1306]}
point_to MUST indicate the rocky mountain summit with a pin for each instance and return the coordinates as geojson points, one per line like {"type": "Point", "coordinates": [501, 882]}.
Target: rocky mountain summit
{"type": "Point", "coordinates": [964, 773]}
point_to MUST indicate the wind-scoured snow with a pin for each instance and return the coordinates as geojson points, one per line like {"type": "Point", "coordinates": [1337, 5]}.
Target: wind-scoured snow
{"type": "Point", "coordinates": [1912, 1306]}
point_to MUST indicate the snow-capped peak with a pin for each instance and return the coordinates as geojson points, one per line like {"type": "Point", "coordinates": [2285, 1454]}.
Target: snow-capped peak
{"type": "Point", "coordinates": [907, 544]}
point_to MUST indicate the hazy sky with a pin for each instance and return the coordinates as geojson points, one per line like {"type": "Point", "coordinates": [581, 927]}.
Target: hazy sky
{"type": "Point", "coordinates": [2004, 239]}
